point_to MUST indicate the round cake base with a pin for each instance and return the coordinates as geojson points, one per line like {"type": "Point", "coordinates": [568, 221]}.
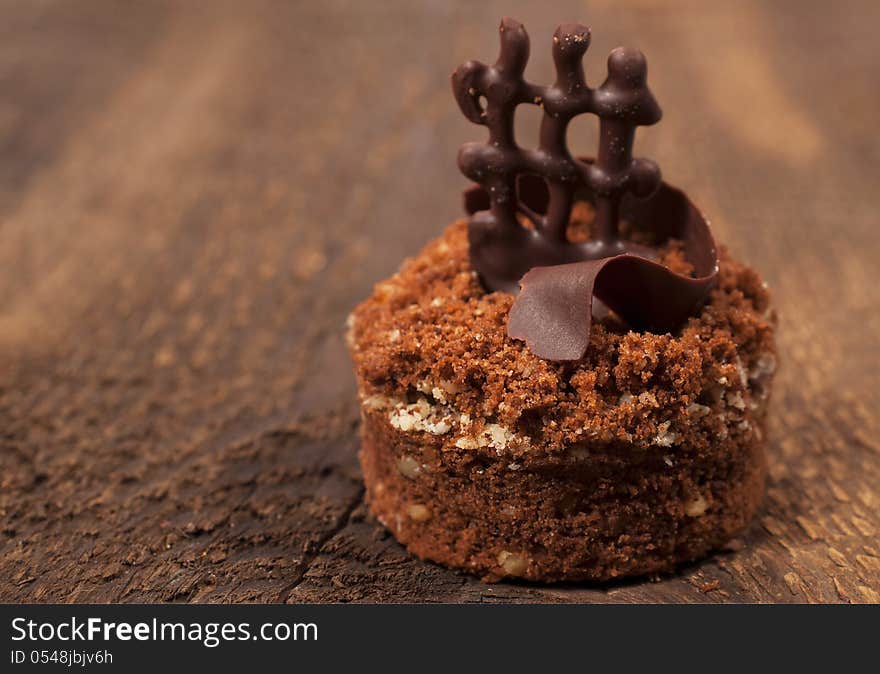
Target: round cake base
{"type": "Point", "coordinates": [590, 512]}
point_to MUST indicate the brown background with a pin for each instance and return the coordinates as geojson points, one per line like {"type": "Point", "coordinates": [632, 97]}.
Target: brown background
{"type": "Point", "coordinates": [193, 196]}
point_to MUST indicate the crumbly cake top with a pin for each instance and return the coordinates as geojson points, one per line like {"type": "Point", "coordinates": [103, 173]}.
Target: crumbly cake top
{"type": "Point", "coordinates": [430, 346]}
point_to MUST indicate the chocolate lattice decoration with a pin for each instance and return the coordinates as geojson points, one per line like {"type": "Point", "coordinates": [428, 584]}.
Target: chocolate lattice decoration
{"type": "Point", "coordinates": [552, 314]}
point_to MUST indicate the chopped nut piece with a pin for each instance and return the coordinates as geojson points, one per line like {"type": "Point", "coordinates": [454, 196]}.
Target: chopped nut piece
{"type": "Point", "coordinates": [449, 386]}
{"type": "Point", "coordinates": [648, 398]}
{"type": "Point", "coordinates": [494, 436]}
{"type": "Point", "coordinates": [418, 416]}
{"type": "Point", "coordinates": [735, 399]}
{"type": "Point", "coordinates": [513, 565]}
{"type": "Point", "coordinates": [696, 507]}
{"type": "Point", "coordinates": [408, 467]}
{"type": "Point", "coordinates": [664, 437]}
{"type": "Point", "coordinates": [418, 513]}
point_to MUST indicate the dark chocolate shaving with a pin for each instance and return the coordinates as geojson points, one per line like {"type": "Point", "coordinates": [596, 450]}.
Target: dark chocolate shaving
{"type": "Point", "coordinates": [542, 185]}
{"type": "Point", "coordinates": [554, 310]}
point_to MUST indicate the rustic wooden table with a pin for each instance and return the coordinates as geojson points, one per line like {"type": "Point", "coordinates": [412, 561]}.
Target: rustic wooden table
{"type": "Point", "coordinates": [193, 196]}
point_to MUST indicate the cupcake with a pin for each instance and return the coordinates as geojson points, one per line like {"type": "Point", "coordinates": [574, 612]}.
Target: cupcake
{"type": "Point", "coordinates": [571, 382]}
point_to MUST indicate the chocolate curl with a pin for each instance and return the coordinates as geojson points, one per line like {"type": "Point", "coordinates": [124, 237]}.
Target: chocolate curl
{"type": "Point", "coordinates": [546, 299]}
{"type": "Point", "coordinates": [553, 313]}
{"type": "Point", "coordinates": [554, 310]}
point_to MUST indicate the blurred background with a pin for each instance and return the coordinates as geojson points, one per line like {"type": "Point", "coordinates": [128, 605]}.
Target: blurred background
{"type": "Point", "coordinates": [193, 195]}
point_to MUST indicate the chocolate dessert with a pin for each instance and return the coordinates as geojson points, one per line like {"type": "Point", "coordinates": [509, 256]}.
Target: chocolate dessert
{"type": "Point", "coordinates": [571, 382]}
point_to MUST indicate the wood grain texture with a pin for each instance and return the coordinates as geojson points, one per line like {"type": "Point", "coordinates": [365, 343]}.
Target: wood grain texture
{"type": "Point", "coordinates": [191, 201]}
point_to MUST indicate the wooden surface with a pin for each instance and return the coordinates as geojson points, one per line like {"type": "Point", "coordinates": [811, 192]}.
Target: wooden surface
{"type": "Point", "coordinates": [193, 197]}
